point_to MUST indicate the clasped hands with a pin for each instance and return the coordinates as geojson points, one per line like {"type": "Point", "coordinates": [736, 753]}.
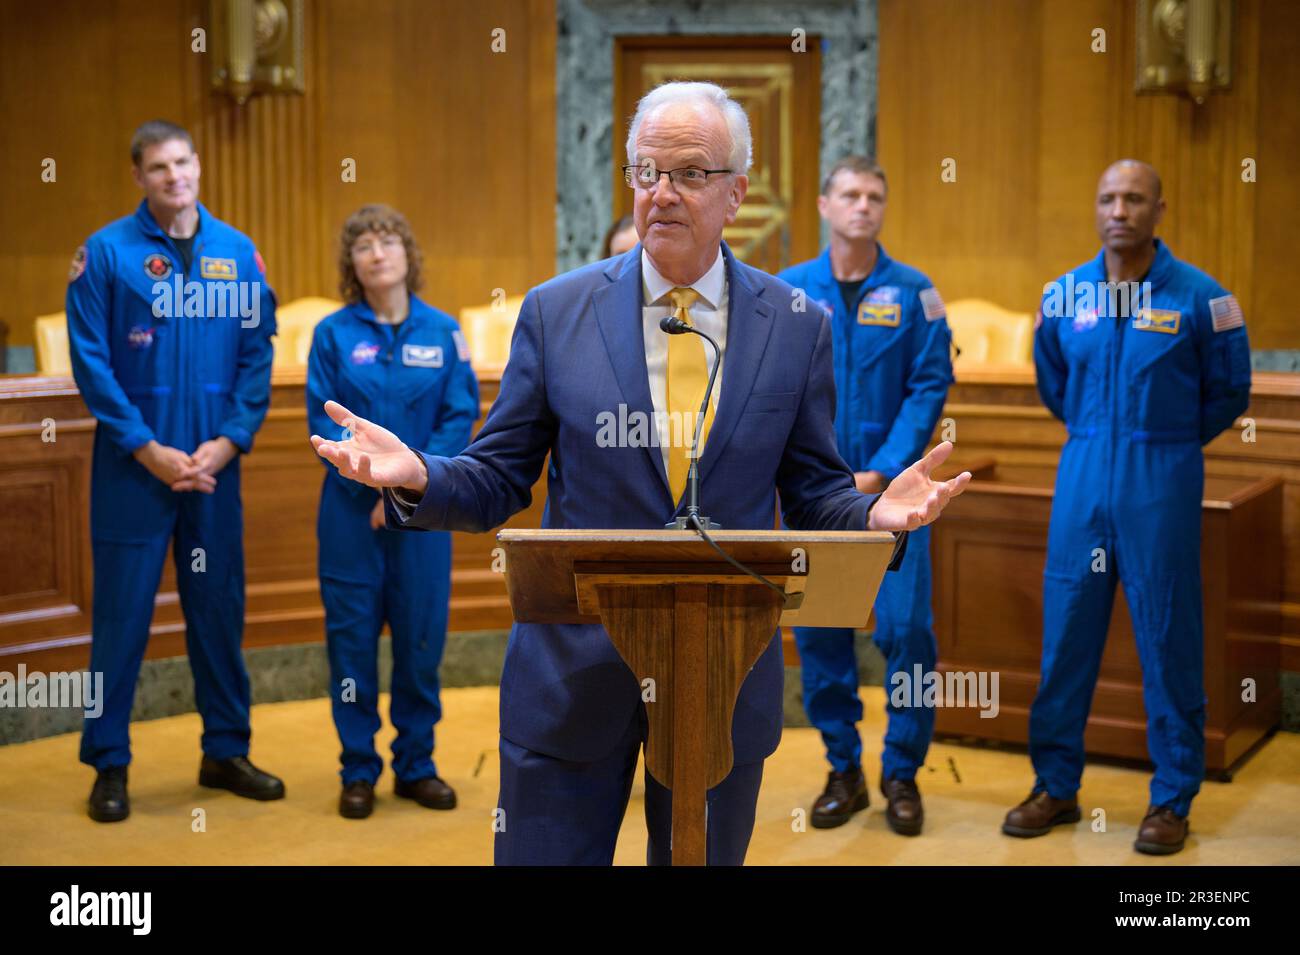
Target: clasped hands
{"type": "Point", "coordinates": [187, 472]}
{"type": "Point", "coordinates": [374, 456]}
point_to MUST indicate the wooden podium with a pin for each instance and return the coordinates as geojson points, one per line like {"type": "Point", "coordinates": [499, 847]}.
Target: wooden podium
{"type": "Point", "coordinates": [691, 626]}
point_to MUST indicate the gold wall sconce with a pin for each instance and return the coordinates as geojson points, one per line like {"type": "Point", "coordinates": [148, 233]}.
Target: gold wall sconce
{"type": "Point", "coordinates": [256, 47]}
{"type": "Point", "coordinates": [1184, 46]}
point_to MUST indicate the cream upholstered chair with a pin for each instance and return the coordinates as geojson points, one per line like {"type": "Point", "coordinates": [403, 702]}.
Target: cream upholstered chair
{"type": "Point", "coordinates": [295, 321]}
{"type": "Point", "coordinates": [488, 330]}
{"type": "Point", "coordinates": [53, 356]}
{"type": "Point", "coordinates": [988, 334]}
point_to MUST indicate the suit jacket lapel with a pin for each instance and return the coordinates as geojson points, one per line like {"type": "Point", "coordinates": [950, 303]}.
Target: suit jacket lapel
{"type": "Point", "coordinates": [749, 324]}
{"type": "Point", "coordinates": [618, 313]}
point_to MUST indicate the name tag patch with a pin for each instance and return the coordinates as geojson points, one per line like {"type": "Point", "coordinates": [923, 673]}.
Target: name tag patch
{"type": "Point", "coordinates": [223, 269]}
{"type": "Point", "coordinates": [422, 356]}
{"type": "Point", "coordinates": [1158, 320]}
{"type": "Point", "coordinates": [887, 315]}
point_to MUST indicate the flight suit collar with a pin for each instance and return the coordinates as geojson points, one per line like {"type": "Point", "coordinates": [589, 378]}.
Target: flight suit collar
{"type": "Point", "coordinates": [1161, 270]}
{"type": "Point", "coordinates": [416, 310]}
{"type": "Point", "coordinates": [878, 276]}
{"type": "Point", "coordinates": [149, 225]}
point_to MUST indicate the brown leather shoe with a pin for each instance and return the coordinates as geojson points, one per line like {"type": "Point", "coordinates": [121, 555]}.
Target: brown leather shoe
{"type": "Point", "coordinates": [430, 792]}
{"type": "Point", "coordinates": [845, 794]}
{"type": "Point", "coordinates": [1038, 814]}
{"type": "Point", "coordinates": [357, 801]}
{"type": "Point", "coordinates": [904, 812]}
{"type": "Point", "coordinates": [1162, 832]}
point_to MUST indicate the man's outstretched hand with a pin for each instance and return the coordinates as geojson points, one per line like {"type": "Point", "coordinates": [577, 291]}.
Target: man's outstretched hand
{"type": "Point", "coordinates": [371, 455]}
{"type": "Point", "coordinates": [913, 499]}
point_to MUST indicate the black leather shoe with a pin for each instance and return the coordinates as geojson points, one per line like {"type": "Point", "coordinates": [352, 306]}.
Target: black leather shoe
{"type": "Point", "coordinates": [904, 814]}
{"type": "Point", "coordinates": [357, 801]}
{"type": "Point", "coordinates": [108, 800]}
{"type": "Point", "coordinates": [241, 777]}
{"type": "Point", "coordinates": [845, 794]}
{"type": "Point", "coordinates": [430, 792]}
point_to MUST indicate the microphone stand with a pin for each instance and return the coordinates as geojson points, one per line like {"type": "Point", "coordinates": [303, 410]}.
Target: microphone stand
{"type": "Point", "coordinates": [692, 519]}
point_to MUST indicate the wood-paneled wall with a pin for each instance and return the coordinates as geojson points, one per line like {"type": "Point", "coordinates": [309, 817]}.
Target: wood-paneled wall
{"type": "Point", "coordinates": [458, 137]}
{"type": "Point", "coordinates": [1012, 91]}
{"type": "Point", "coordinates": [46, 572]}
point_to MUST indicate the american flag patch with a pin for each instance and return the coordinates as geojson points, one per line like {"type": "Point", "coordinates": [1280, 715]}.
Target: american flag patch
{"type": "Point", "coordinates": [462, 346]}
{"type": "Point", "coordinates": [1226, 313]}
{"type": "Point", "coordinates": [933, 305]}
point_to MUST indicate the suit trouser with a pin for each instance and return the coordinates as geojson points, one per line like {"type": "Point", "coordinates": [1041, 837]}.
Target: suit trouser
{"type": "Point", "coordinates": [904, 633]}
{"type": "Point", "coordinates": [208, 548]}
{"type": "Point", "coordinates": [558, 812]}
{"type": "Point", "coordinates": [412, 595]}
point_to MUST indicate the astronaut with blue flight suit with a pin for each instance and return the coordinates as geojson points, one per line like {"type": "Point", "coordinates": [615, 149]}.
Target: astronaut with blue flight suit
{"type": "Point", "coordinates": [403, 363]}
{"type": "Point", "coordinates": [892, 372]}
{"type": "Point", "coordinates": [1142, 380]}
{"type": "Point", "coordinates": [169, 327]}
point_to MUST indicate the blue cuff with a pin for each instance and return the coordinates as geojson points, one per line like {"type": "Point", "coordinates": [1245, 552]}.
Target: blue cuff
{"type": "Point", "coordinates": [241, 437]}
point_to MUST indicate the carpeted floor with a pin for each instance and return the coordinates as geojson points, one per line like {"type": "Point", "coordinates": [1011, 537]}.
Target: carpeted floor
{"type": "Point", "coordinates": [967, 790]}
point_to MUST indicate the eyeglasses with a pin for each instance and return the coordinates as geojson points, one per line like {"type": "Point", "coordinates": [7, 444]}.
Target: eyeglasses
{"type": "Point", "coordinates": [389, 241]}
{"type": "Point", "coordinates": [646, 176]}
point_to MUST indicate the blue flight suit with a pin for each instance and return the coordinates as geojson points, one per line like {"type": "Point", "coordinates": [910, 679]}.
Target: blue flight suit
{"type": "Point", "coordinates": [892, 372]}
{"type": "Point", "coordinates": [414, 379]}
{"type": "Point", "coordinates": [180, 357]}
{"type": "Point", "coordinates": [1139, 396]}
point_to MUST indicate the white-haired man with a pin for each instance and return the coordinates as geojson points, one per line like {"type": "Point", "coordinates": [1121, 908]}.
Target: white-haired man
{"type": "Point", "coordinates": [572, 718]}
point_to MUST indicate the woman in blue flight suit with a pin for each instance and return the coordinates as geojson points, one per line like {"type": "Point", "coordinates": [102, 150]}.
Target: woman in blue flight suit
{"type": "Point", "coordinates": [390, 358]}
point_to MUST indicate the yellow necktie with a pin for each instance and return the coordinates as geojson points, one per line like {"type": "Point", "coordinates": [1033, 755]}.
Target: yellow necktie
{"type": "Point", "coordinates": [688, 377]}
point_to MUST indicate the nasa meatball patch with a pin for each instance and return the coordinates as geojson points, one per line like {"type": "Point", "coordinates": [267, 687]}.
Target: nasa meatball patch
{"type": "Point", "coordinates": [140, 337]}
{"type": "Point", "coordinates": [364, 353]}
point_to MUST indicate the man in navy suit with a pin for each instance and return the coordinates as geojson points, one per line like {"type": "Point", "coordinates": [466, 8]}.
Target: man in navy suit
{"type": "Point", "coordinates": [586, 343]}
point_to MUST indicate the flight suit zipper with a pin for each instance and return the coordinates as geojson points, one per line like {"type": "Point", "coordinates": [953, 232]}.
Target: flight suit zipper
{"type": "Point", "coordinates": [1112, 440]}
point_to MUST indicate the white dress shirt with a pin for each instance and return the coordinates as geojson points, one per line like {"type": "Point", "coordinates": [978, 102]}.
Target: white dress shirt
{"type": "Point", "coordinates": [708, 314]}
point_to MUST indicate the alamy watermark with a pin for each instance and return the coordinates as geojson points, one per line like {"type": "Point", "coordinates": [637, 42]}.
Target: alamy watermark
{"type": "Point", "coordinates": [1089, 301]}
{"type": "Point", "coordinates": [179, 298]}
{"type": "Point", "coordinates": [636, 429]}
{"type": "Point", "coordinates": [78, 688]}
{"type": "Point", "coordinates": [75, 907]}
{"type": "Point", "coordinates": [922, 688]}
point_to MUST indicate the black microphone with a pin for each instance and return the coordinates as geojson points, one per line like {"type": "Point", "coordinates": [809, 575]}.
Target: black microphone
{"type": "Point", "coordinates": [692, 518]}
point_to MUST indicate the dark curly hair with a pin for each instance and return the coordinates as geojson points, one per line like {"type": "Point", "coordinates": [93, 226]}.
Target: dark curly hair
{"type": "Point", "coordinates": [377, 218]}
